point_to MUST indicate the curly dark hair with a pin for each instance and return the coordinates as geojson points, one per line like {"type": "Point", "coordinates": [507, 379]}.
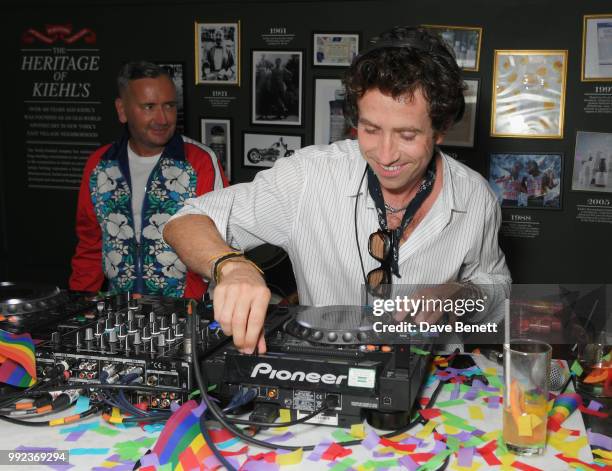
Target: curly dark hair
{"type": "Point", "coordinates": [401, 61]}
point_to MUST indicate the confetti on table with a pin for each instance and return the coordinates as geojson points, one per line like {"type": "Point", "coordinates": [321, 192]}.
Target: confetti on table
{"type": "Point", "coordinates": [292, 457]}
{"type": "Point", "coordinates": [475, 413]}
{"type": "Point", "coordinates": [600, 440]}
{"type": "Point", "coordinates": [576, 368]}
{"type": "Point", "coordinates": [358, 431]}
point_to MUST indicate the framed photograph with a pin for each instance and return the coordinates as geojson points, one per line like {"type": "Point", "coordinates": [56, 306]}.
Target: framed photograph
{"type": "Point", "coordinates": [329, 122]}
{"type": "Point", "coordinates": [263, 150]}
{"type": "Point", "coordinates": [529, 94]}
{"type": "Point", "coordinates": [217, 53]}
{"type": "Point", "coordinates": [216, 133]}
{"type": "Point", "coordinates": [593, 162]}
{"type": "Point", "coordinates": [597, 48]}
{"type": "Point", "coordinates": [334, 49]}
{"type": "Point", "coordinates": [465, 42]}
{"type": "Point", "coordinates": [531, 181]}
{"type": "Point", "coordinates": [277, 78]}
{"type": "Point", "coordinates": [176, 70]}
{"type": "Point", "coordinates": [462, 133]}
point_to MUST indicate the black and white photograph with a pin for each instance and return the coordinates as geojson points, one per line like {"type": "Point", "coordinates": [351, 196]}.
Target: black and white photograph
{"type": "Point", "coordinates": [177, 74]}
{"type": "Point", "coordinates": [216, 133]}
{"type": "Point", "coordinates": [329, 122]}
{"type": "Point", "coordinates": [597, 48]}
{"type": "Point", "coordinates": [263, 150]}
{"type": "Point", "coordinates": [530, 181]}
{"type": "Point", "coordinates": [593, 162]}
{"type": "Point", "coordinates": [462, 133]}
{"type": "Point", "coordinates": [465, 41]}
{"type": "Point", "coordinates": [277, 87]}
{"type": "Point", "coordinates": [334, 49]}
{"type": "Point", "coordinates": [217, 47]}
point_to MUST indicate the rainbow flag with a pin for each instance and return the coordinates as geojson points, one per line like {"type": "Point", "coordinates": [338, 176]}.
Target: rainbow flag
{"type": "Point", "coordinates": [19, 365]}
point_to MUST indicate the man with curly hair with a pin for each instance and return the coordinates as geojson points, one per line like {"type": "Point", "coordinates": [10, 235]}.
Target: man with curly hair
{"type": "Point", "coordinates": [424, 217]}
{"type": "Point", "coordinates": [131, 187]}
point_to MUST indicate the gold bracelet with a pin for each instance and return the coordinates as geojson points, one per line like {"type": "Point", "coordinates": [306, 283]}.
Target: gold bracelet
{"type": "Point", "coordinates": [220, 263]}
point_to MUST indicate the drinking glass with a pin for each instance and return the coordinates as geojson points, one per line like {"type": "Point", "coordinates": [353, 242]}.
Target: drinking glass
{"type": "Point", "coordinates": [526, 375]}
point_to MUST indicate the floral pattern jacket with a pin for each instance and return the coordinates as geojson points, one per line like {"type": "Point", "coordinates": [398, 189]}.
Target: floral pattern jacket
{"type": "Point", "coordinates": [107, 244]}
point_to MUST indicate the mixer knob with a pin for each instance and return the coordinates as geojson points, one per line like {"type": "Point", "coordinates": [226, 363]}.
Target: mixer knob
{"type": "Point", "coordinates": [77, 339]}
{"type": "Point", "coordinates": [112, 336]}
{"type": "Point", "coordinates": [146, 333]}
{"type": "Point", "coordinates": [137, 340]}
{"type": "Point", "coordinates": [130, 316]}
{"type": "Point", "coordinates": [317, 335]}
{"type": "Point", "coordinates": [100, 307]}
{"type": "Point", "coordinates": [140, 321]}
{"type": "Point", "coordinates": [118, 319]}
{"type": "Point", "coordinates": [109, 325]}
{"type": "Point", "coordinates": [163, 324]}
{"type": "Point", "coordinates": [170, 336]}
{"type": "Point", "coordinates": [362, 336]}
{"type": "Point", "coordinates": [42, 304]}
{"type": "Point", "coordinates": [173, 318]}
{"type": "Point", "coordinates": [128, 343]}
{"type": "Point", "coordinates": [102, 342]}
{"type": "Point", "coordinates": [304, 332]}
{"type": "Point", "coordinates": [55, 337]}
{"type": "Point", "coordinates": [178, 330]}
{"type": "Point", "coordinates": [332, 336]}
{"type": "Point", "coordinates": [12, 308]}
{"type": "Point", "coordinates": [110, 315]}
{"type": "Point", "coordinates": [347, 336]}
{"type": "Point", "coordinates": [27, 307]}
{"type": "Point", "coordinates": [154, 328]}
{"type": "Point", "coordinates": [152, 317]}
{"type": "Point", "coordinates": [133, 304]}
{"type": "Point", "coordinates": [122, 331]}
{"type": "Point", "coordinates": [152, 345]}
{"type": "Point", "coordinates": [131, 327]}
{"type": "Point", "coordinates": [99, 328]}
{"type": "Point", "coordinates": [89, 334]}
{"type": "Point", "coordinates": [161, 340]}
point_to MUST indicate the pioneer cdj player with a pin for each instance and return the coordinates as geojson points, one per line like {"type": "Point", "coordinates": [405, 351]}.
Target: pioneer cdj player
{"type": "Point", "coordinates": [318, 354]}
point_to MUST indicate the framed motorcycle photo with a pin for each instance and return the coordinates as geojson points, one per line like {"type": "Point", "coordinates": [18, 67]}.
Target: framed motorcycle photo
{"type": "Point", "coordinates": [263, 150]}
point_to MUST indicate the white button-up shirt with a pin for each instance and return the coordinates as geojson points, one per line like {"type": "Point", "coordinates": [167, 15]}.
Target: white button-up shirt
{"type": "Point", "coordinates": [306, 205]}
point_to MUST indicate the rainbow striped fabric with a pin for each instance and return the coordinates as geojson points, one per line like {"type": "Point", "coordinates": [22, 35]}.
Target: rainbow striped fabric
{"type": "Point", "coordinates": [18, 363]}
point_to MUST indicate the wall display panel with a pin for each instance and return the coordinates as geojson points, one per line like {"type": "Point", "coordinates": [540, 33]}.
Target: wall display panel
{"type": "Point", "coordinates": [330, 124]}
{"type": "Point", "coordinates": [465, 42]}
{"type": "Point", "coordinates": [334, 49]}
{"type": "Point", "coordinates": [597, 48]}
{"type": "Point", "coordinates": [176, 70]}
{"type": "Point", "coordinates": [276, 93]}
{"type": "Point", "coordinates": [593, 162]}
{"type": "Point", "coordinates": [217, 134]}
{"type": "Point", "coordinates": [217, 53]}
{"type": "Point", "coordinates": [528, 93]}
{"type": "Point", "coordinates": [531, 181]}
{"type": "Point", "coordinates": [462, 133]}
{"type": "Point", "coordinates": [263, 150]}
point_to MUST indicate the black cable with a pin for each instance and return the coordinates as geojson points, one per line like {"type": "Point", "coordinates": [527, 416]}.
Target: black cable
{"type": "Point", "coordinates": [365, 278]}
{"type": "Point", "coordinates": [204, 391]}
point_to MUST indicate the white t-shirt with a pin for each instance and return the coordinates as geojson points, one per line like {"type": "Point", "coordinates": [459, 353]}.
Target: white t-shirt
{"type": "Point", "coordinates": [140, 169]}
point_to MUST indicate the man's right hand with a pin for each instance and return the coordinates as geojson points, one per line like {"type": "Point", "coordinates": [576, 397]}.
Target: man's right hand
{"type": "Point", "coordinates": [240, 302]}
